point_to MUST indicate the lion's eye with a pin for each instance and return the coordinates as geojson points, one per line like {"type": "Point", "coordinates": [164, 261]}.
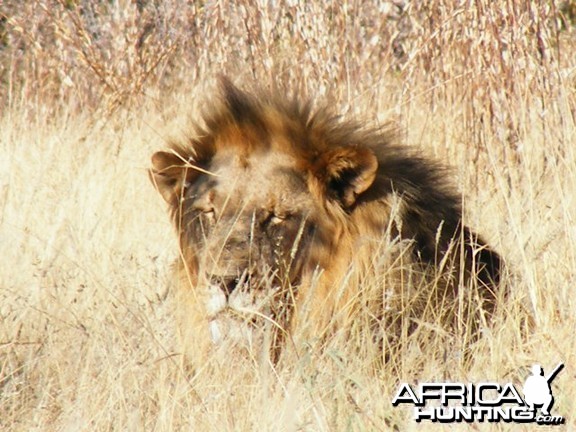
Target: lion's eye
{"type": "Point", "coordinates": [275, 219]}
{"type": "Point", "coordinates": [278, 218]}
{"type": "Point", "coordinates": [209, 214]}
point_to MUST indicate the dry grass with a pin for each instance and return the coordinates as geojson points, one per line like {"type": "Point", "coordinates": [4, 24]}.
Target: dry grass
{"type": "Point", "coordinates": [88, 90]}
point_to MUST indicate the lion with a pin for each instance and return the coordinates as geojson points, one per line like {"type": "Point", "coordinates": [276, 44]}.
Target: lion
{"type": "Point", "coordinates": [276, 203]}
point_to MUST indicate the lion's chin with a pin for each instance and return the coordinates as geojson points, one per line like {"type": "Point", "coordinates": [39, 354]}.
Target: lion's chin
{"type": "Point", "coordinates": [240, 317]}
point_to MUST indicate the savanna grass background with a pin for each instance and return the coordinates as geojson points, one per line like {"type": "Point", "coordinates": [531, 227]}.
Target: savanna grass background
{"type": "Point", "coordinates": [89, 89]}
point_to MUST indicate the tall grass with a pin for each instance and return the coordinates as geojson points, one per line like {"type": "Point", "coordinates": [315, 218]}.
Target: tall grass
{"type": "Point", "coordinates": [88, 90]}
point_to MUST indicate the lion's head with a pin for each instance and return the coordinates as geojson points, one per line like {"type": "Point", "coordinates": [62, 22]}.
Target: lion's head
{"type": "Point", "coordinates": [267, 195]}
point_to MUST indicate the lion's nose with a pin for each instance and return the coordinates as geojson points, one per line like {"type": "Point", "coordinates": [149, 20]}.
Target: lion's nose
{"type": "Point", "coordinates": [229, 285]}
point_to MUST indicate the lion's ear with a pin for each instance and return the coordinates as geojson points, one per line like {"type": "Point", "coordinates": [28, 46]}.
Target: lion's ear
{"type": "Point", "coordinates": [347, 172]}
{"type": "Point", "coordinates": [170, 173]}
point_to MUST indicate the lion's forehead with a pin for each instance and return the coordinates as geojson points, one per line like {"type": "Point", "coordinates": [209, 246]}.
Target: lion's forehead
{"type": "Point", "coordinates": [267, 178]}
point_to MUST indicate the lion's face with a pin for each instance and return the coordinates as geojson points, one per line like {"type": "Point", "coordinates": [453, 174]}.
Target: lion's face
{"type": "Point", "coordinates": [251, 222]}
{"type": "Point", "coordinates": [250, 227]}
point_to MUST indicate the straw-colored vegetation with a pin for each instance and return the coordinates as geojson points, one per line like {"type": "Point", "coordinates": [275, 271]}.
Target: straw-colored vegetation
{"type": "Point", "coordinates": [89, 89]}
